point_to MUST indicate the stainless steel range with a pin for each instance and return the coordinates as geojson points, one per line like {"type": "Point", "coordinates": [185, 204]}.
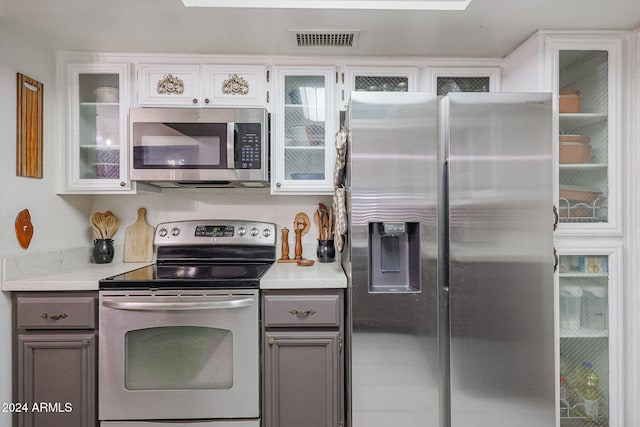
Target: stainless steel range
{"type": "Point", "coordinates": [179, 339]}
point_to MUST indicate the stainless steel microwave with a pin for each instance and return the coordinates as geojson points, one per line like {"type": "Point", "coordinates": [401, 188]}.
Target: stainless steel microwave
{"type": "Point", "coordinates": [187, 147]}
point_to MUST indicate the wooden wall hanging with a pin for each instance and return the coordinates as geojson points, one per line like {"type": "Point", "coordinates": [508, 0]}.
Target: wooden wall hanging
{"type": "Point", "coordinates": [24, 228]}
{"type": "Point", "coordinates": [29, 127]}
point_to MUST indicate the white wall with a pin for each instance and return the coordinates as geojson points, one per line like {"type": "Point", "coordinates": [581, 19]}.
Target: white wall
{"type": "Point", "coordinates": [55, 219]}
{"type": "Point", "coordinates": [182, 204]}
{"type": "Point", "coordinates": [521, 69]}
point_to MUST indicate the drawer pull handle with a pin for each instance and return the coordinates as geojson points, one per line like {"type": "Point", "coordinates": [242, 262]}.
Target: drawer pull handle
{"type": "Point", "coordinates": [302, 313]}
{"type": "Point", "coordinates": [54, 316]}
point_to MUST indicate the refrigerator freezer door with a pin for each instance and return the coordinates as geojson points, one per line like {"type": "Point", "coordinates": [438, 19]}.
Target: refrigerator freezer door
{"type": "Point", "coordinates": [501, 260]}
{"type": "Point", "coordinates": [393, 344]}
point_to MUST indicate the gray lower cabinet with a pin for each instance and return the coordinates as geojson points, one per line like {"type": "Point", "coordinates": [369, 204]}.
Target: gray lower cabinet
{"type": "Point", "coordinates": [55, 358]}
{"type": "Point", "coordinates": [303, 383]}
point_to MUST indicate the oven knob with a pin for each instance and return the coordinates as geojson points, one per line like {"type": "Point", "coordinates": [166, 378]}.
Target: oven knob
{"type": "Point", "coordinates": [175, 231]}
{"type": "Point", "coordinates": [242, 231]}
{"type": "Point", "coordinates": [162, 232]}
{"type": "Point", "coordinates": [266, 232]}
{"type": "Point", "coordinates": [254, 232]}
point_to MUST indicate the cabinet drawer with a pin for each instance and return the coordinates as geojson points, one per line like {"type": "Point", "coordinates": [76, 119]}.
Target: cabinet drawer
{"type": "Point", "coordinates": [72, 312]}
{"type": "Point", "coordinates": [301, 310]}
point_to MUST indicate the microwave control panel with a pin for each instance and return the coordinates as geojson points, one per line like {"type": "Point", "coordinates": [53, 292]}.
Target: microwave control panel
{"type": "Point", "coordinates": [248, 149]}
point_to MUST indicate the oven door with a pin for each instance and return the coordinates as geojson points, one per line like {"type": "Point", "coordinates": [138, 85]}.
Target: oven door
{"type": "Point", "coordinates": [178, 355]}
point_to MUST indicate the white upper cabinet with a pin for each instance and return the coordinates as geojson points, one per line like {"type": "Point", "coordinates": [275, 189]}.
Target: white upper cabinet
{"type": "Point", "coordinates": [197, 85]}
{"type": "Point", "coordinates": [175, 85]}
{"type": "Point", "coordinates": [304, 128]}
{"type": "Point", "coordinates": [443, 80]}
{"type": "Point", "coordinates": [234, 86]}
{"type": "Point", "coordinates": [95, 153]}
{"type": "Point", "coordinates": [588, 75]}
{"type": "Point", "coordinates": [588, 85]}
{"type": "Point", "coordinates": [385, 79]}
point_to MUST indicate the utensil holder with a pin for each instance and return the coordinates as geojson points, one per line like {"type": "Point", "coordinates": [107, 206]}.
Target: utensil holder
{"type": "Point", "coordinates": [103, 251]}
{"type": "Point", "coordinates": [326, 251]}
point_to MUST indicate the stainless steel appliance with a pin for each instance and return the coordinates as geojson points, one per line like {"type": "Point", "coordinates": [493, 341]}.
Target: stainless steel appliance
{"type": "Point", "coordinates": [191, 147]}
{"type": "Point", "coordinates": [179, 339]}
{"type": "Point", "coordinates": [450, 260]}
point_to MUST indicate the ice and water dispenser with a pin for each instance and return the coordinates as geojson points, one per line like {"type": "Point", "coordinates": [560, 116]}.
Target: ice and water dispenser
{"type": "Point", "coordinates": [394, 257]}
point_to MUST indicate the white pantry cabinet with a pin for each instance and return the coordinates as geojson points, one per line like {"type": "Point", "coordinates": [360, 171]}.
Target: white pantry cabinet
{"type": "Point", "coordinates": [304, 125]}
{"type": "Point", "coordinates": [588, 75]}
{"type": "Point", "coordinates": [589, 336]}
{"type": "Point", "coordinates": [589, 96]}
{"type": "Point", "coordinates": [95, 153]}
{"type": "Point", "coordinates": [198, 85]}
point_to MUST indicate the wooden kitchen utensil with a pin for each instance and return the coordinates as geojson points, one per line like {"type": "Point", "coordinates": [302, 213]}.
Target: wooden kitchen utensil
{"type": "Point", "coordinates": [97, 221]}
{"type": "Point", "coordinates": [138, 240]}
{"type": "Point", "coordinates": [110, 225]}
{"type": "Point", "coordinates": [301, 227]}
{"type": "Point", "coordinates": [285, 246]}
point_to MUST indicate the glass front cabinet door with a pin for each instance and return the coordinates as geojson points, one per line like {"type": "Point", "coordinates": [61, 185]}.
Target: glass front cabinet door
{"type": "Point", "coordinates": [589, 339]}
{"type": "Point", "coordinates": [588, 99]}
{"type": "Point", "coordinates": [97, 129]}
{"type": "Point", "coordinates": [303, 140]}
{"type": "Point", "coordinates": [376, 79]}
{"type": "Point", "coordinates": [442, 80]}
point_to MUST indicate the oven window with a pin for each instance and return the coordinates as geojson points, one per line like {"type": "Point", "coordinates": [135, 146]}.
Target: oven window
{"type": "Point", "coordinates": [179, 145]}
{"type": "Point", "coordinates": [178, 358]}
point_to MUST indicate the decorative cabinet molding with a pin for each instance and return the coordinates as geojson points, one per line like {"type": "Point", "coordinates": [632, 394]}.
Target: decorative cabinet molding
{"type": "Point", "coordinates": [169, 85]}
{"type": "Point", "coordinates": [197, 85]}
{"type": "Point", "coordinates": [235, 85]}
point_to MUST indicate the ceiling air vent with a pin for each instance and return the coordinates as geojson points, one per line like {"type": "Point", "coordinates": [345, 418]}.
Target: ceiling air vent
{"type": "Point", "coordinates": [325, 38]}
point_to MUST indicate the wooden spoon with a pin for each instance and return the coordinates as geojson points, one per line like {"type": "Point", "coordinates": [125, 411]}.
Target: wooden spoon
{"type": "Point", "coordinates": [111, 225]}
{"type": "Point", "coordinates": [98, 221]}
{"type": "Point", "coordinates": [318, 221]}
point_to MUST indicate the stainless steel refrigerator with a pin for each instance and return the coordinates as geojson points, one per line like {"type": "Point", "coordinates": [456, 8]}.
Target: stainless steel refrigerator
{"type": "Point", "coordinates": [449, 255]}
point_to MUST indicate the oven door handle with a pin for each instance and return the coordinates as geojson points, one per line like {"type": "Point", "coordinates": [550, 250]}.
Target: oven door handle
{"type": "Point", "coordinates": [177, 306]}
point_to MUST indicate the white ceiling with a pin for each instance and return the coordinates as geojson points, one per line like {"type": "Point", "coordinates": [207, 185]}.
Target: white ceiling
{"type": "Point", "coordinates": [488, 28]}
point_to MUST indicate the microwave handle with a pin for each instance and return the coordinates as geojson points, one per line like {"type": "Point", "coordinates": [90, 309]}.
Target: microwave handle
{"type": "Point", "coordinates": [177, 306]}
{"type": "Point", "coordinates": [231, 151]}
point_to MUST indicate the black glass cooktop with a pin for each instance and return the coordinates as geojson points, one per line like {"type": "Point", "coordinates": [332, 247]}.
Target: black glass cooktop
{"type": "Point", "coordinates": [187, 276]}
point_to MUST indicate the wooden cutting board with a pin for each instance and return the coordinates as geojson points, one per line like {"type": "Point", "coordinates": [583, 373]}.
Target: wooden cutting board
{"type": "Point", "coordinates": [138, 240]}
{"type": "Point", "coordinates": [29, 127]}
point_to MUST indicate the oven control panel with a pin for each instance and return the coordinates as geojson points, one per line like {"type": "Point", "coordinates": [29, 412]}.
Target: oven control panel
{"type": "Point", "coordinates": [227, 232]}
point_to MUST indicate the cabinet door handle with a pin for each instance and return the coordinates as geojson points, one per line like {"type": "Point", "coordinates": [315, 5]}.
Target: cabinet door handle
{"type": "Point", "coordinates": [85, 343]}
{"type": "Point", "coordinates": [556, 260]}
{"type": "Point", "coordinates": [556, 218]}
{"type": "Point", "coordinates": [302, 313]}
{"type": "Point", "coordinates": [195, 100]}
{"type": "Point", "coordinates": [54, 316]}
